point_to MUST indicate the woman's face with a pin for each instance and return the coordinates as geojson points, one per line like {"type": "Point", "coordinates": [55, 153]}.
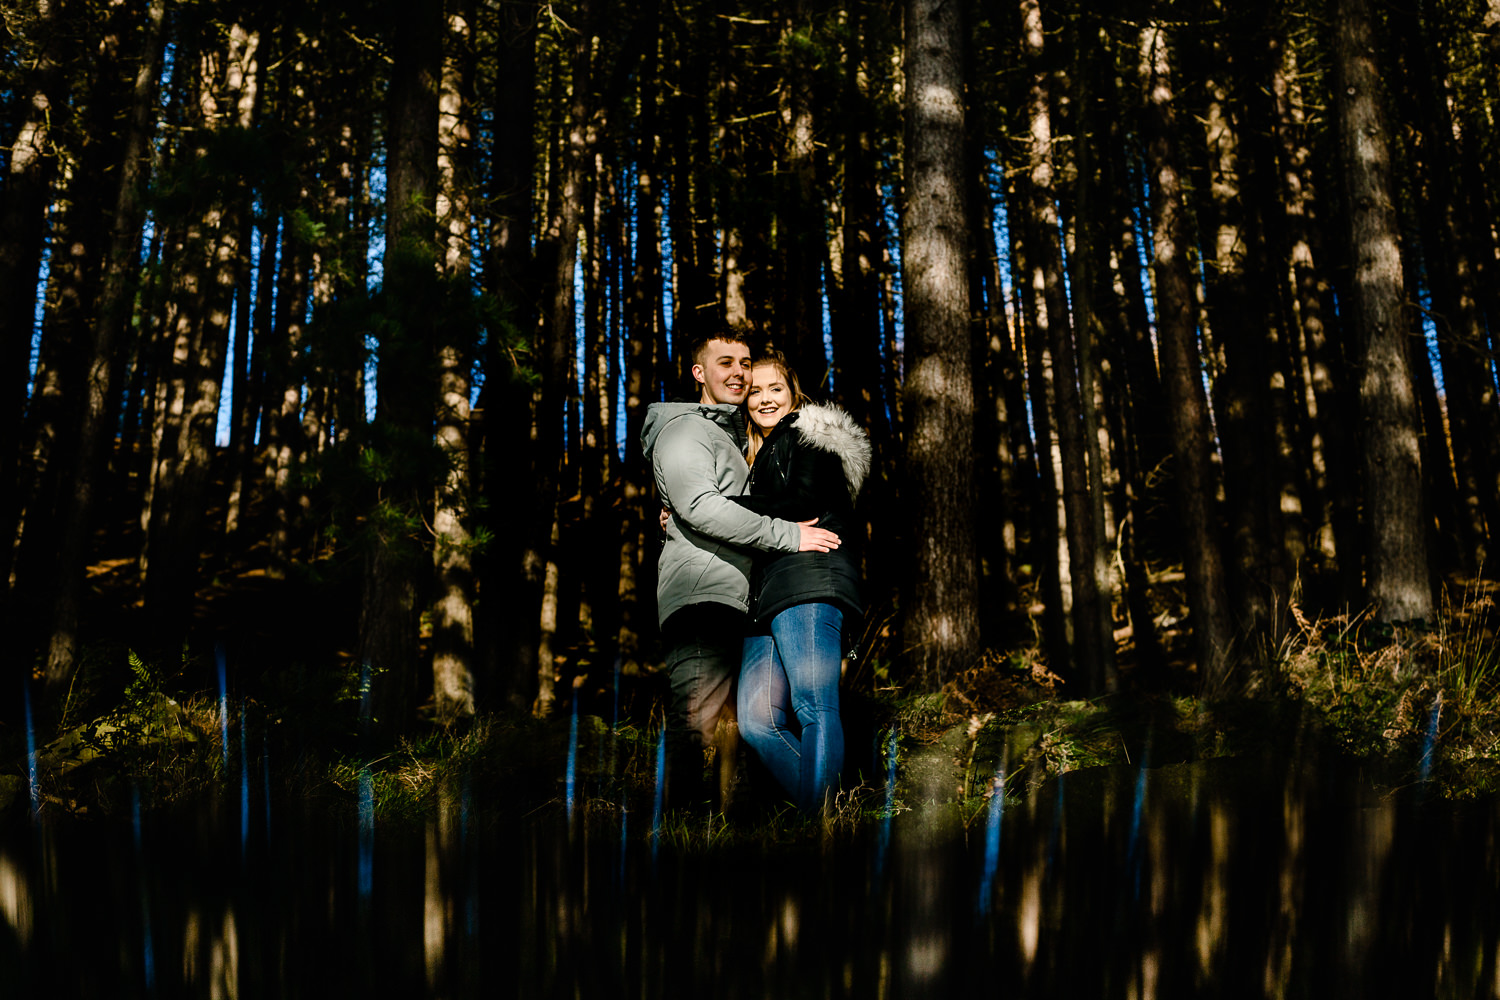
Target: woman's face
{"type": "Point", "coordinates": [770, 398]}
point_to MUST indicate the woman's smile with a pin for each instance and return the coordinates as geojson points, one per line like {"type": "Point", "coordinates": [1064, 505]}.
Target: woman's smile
{"type": "Point", "coordinates": [769, 398]}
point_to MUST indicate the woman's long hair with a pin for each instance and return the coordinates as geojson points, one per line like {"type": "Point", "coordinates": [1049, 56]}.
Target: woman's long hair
{"type": "Point", "coordinates": [771, 356]}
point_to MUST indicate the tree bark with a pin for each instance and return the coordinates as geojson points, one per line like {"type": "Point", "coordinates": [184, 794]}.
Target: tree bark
{"type": "Point", "coordinates": [1048, 534]}
{"type": "Point", "coordinates": [1328, 447]}
{"type": "Point", "coordinates": [1182, 382]}
{"type": "Point", "coordinates": [942, 618]}
{"type": "Point", "coordinates": [389, 610]}
{"type": "Point", "coordinates": [799, 320]}
{"type": "Point", "coordinates": [1134, 404]}
{"type": "Point", "coordinates": [23, 206]}
{"type": "Point", "coordinates": [557, 350]}
{"type": "Point", "coordinates": [645, 343]}
{"type": "Point", "coordinates": [1396, 571]}
{"type": "Point", "coordinates": [1084, 657]}
{"type": "Point", "coordinates": [99, 399]}
{"type": "Point", "coordinates": [511, 574]}
{"type": "Point", "coordinates": [1244, 396]}
{"type": "Point", "coordinates": [211, 258]}
{"type": "Point", "coordinates": [1452, 278]}
{"type": "Point", "coordinates": [1002, 401]}
{"type": "Point", "coordinates": [453, 608]}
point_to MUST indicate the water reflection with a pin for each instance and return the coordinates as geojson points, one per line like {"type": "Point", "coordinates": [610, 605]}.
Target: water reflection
{"type": "Point", "coordinates": [33, 787]}
{"type": "Point", "coordinates": [991, 841]}
{"type": "Point", "coordinates": [1244, 878]}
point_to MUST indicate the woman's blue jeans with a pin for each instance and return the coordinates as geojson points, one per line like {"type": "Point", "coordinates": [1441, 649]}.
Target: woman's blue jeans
{"type": "Point", "coordinates": [789, 700]}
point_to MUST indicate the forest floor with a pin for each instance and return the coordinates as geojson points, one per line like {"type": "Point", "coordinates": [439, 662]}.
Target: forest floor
{"type": "Point", "coordinates": [266, 688]}
{"type": "Point", "coordinates": [1415, 710]}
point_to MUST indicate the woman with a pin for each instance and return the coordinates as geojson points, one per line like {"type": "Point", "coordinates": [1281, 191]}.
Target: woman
{"type": "Point", "coordinates": [807, 461]}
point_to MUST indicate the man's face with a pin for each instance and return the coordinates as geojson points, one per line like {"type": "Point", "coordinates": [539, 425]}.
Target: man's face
{"type": "Point", "coordinates": [723, 371]}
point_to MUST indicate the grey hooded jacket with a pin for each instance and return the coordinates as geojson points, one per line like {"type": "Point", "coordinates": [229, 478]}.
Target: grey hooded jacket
{"type": "Point", "coordinates": [696, 452]}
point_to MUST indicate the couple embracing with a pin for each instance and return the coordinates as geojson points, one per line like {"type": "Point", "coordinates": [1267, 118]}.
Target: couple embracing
{"type": "Point", "coordinates": [754, 591]}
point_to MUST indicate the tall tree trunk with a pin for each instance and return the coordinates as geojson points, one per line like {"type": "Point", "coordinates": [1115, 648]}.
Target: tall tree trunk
{"type": "Point", "coordinates": [1329, 449]}
{"type": "Point", "coordinates": [281, 437]}
{"type": "Point", "coordinates": [942, 619]}
{"type": "Point", "coordinates": [1001, 395]}
{"type": "Point", "coordinates": [1135, 409]}
{"type": "Point", "coordinates": [511, 577]}
{"type": "Point", "coordinates": [113, 311]}
{"type": "Point", "coordinates": [645, 343]}
{"type": "Point", "coordinates": [244, 394]}
{"type": "Point", "coordinates": [79, 238]}
{"type": "Point", "coordinates": [856, 321]}
{"type": "Point", "coordinates": [252, 411]}
{"type": "Point", "coordinates": [23, 213]}
{"type": "Point", "coordinates": [1096, 539]}
{"type": "Point", "coordinates": [1451, 270]}
{"type": "Point", "coordinates": [212, 258]}
{"type": "Point", "coordinates": [1048, 535]}
{"type": "Point", "coordinates": [695, 282]}
{"type": "Point", "coordinates": [453, 608]}
{"type": "Point", "coordinates": [1085, 656]}
{"type": "Point", "coordinates": [1182, 383]}
{"type": "Point", "coordinates": [1396, 571]}
{"type": "Point", "coordinates": [1244, 395]}
{"type": "Point", "coordinates": [557, 351]}
{"type": "Point", "coordinates": [389, 610]}
{"type": "Point", "coordinates": [800, 317]}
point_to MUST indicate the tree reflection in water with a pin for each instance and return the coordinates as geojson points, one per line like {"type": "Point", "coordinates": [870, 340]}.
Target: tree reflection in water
{"type": "Point", "coordinates": [1220, 877]}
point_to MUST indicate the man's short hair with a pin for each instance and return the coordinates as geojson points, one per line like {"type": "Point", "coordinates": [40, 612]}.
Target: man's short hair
{"type": "Point", "coordinates": [699, 344]}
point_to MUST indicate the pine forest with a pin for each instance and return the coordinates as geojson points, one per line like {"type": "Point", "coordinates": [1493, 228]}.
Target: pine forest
{"type": "Point", "coordinates": [331, 327]}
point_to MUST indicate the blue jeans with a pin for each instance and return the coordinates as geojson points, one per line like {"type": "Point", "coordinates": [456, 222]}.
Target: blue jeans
{"type": "Point", "coordinates": [789, 700]}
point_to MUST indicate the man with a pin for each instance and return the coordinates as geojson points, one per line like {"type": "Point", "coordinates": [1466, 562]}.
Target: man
{"type": "Point", "coordinates": [696, 452]}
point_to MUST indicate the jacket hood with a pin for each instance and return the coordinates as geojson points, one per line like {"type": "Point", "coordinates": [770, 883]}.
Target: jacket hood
{"type": "Point", "coordinates": [658, 415]}
{"type": "Point", "coordinates": [826, 426]}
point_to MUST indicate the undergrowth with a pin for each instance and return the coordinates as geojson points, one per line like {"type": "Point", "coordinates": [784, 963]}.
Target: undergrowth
{"type": "Point", "coordinates": [1423, 701]}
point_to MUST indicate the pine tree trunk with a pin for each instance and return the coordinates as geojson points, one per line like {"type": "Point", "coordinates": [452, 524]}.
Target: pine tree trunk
{"type": "Point", "coordinates": [557, 352]}
{"type": "Point", "coordinates": [1451, 272]}
{"type": "Point", "coordinates": [1085, 656]}
{"type": "Point", "coordinates": [856, 322]}
{"type": "Point", "coordinates": [998, 385]}
{"type": "Point", "coordinates": [23, 206]}
{"type": "Point", "coordinates": [644, 343]}
{"type": "Point", "coordinates": [453, 609]}
{"type": "Point", "coordinates": [1328, 445]}
{"type": "Point", "coordinates": [696, 297]}
{"type": "Point", "coordinates": [1396, 570]}
{"type": "Point", "coordinates": [394, 562]}
{"type": "Point", "coordinates": [86, 134]}
{"type": "Point", "coordinates": [1182, 382]}
{"type": "Point", "coordinates": [1243, 397]}
{"type": "Point", "coordinates": [1134, 408]}
{"type": "Point", "coordinates": [282, 440]}
{"type": "Point", "coordinates": [511, 575]}
{"type": "Point", "coordinates": [1048, 537]}
{"type": "Point", "coordinates": [204, 290]}
{"type": "Point", "coordinates": [1100, 478]}
{"type": "Point", "coordinates": [799, 320]}
{"type": "Point", "coordinates": [942, 619]}
{"type": "Point", "coordinates": [99, 396]}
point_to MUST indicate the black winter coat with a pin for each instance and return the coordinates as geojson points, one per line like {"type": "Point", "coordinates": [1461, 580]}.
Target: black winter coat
{"type": "Point", "coordinates": [811, 465]}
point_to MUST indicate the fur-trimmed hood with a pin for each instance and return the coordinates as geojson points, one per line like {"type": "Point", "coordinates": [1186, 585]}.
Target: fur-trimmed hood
{"type": "Point", "coordinates": [830, 428]}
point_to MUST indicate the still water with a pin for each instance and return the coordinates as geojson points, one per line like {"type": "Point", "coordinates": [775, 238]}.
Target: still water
{"type": "Point", "coordinates": [1227, 878]}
